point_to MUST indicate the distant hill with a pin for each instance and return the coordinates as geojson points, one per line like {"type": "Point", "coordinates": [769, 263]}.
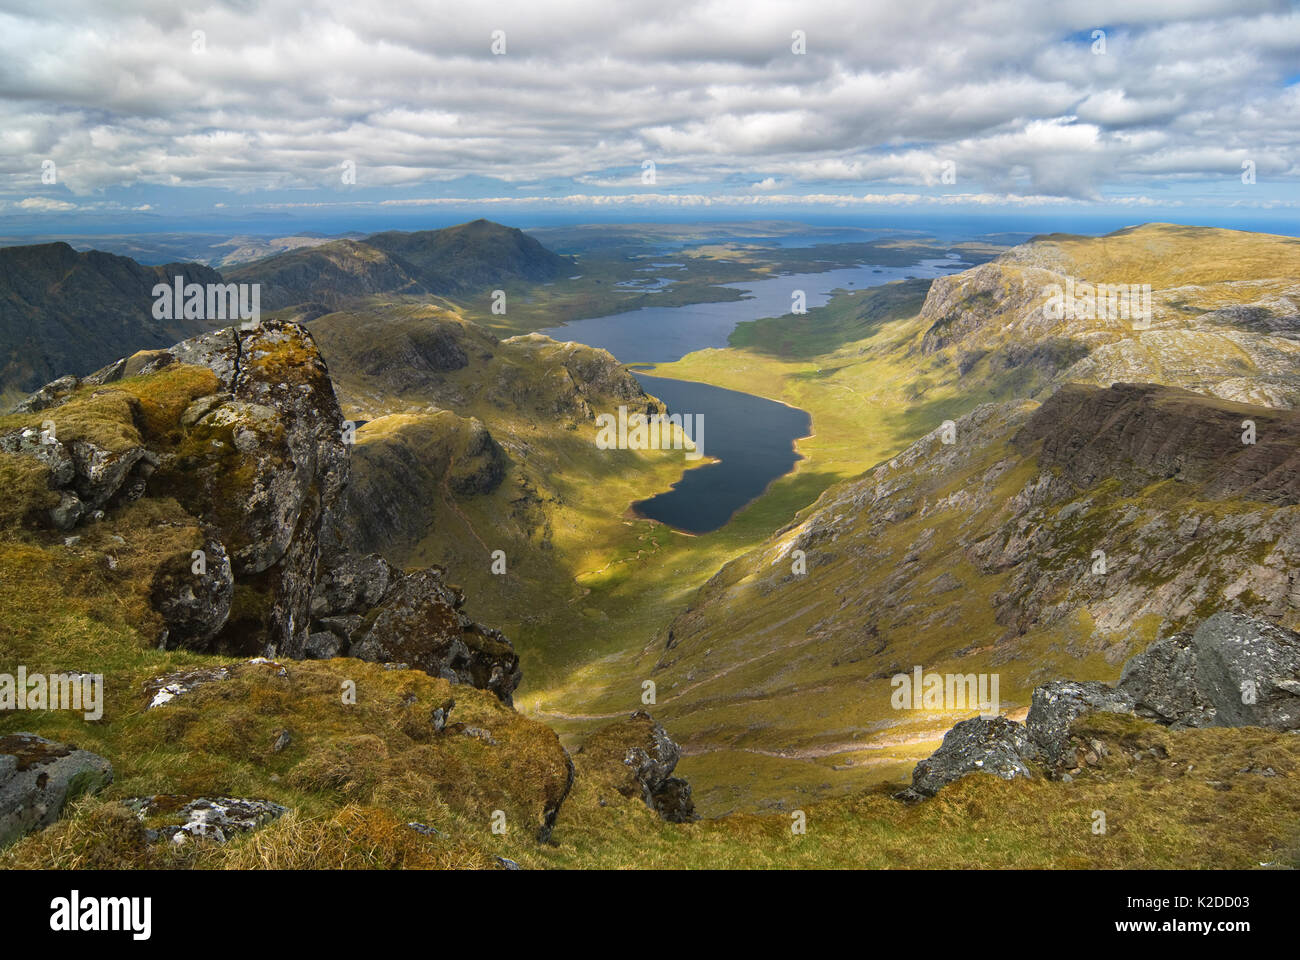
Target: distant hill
{"type": "Point", "coordinates": [67, 312]}
{"type": "Point", "coordinates": [448, 262]}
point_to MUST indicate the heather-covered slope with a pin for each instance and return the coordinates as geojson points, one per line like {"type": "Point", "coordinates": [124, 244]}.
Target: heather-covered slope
{"type": "Point", "coordinates": [1224, 312]}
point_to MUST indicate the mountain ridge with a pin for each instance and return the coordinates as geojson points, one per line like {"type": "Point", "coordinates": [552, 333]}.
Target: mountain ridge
{"type": "Point", "coordinates": [448, 262]}
{"type": "Point", "coordinates": [65, 312]}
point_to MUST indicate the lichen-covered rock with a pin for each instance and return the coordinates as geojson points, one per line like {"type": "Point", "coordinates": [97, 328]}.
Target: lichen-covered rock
{"type": "Point", "coordinates": [1164, 685]}
{"type": "Point", "coordinates": [1232, 671]}
{"type": "Point", "coordinates": [39, 445]}
{"type": "Point", "coordinates": [194, 595]}
{"type": "Point", "coordinates": [253, 448]}
{"type": "Point", "coordinates": [48, 395]}
{"type": "Point", "coordinates": [420, 622]}
{"type": "Point", "coordinates": [980, 745]}
{"type": "Point", "coordinates": [1249, 671]}
{"type": "Point", "coordinates": [86, 475]}
{"type": "Point", "coordinates": [352, 583]}
{"type": "Point", "coordinates": [177, 818]}
{"type": "Point", "coordinates": [673, 801]}
{"type": "Point", "coordinates": [262, 460]}
{"type": "Point", "coordinates": [1056, 705]}
{"type": "Point", "coordinates": [636, 757]}
{"type": "Point", "coordinates": [102, 474]}
{"type": "Point", "coordinates": [38, 776]}
{"type": "Point", "coordinates": [323, 645]}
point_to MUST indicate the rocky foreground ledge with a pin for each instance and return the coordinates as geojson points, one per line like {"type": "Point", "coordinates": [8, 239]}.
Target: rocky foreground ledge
{"type": "Point", "coordinates": [1232, 671]}
{"type": "Point", "coordinates": [243, 430]}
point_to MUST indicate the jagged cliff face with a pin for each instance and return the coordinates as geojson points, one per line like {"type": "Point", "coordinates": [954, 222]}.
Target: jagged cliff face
{"type": "Point", "coordinates": [1224, 313]}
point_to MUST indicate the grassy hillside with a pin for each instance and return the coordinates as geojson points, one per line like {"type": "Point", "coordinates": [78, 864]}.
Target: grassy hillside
{"type": "Point", "coordinates": [775, 716]}
{"type": "Point", "coordinates": [971, 556]}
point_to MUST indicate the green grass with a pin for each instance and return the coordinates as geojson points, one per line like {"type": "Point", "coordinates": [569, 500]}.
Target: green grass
{"type": "Point", "coordinates": [778, 694]}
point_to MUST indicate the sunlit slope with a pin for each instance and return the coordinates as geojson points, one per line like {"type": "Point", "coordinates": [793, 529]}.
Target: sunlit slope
{"type": "Point", "coordinates": [1225, 320]}
{"type": "Point", "coordinates": [473, 445]}
{"type": "Point", "coordinates": [978, 556]}
{"type": "Point", "coordinates": [792, 681]}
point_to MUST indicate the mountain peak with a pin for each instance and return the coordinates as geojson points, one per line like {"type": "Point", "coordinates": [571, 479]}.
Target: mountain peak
{"type": "Point", "coordinates": [451, 261]}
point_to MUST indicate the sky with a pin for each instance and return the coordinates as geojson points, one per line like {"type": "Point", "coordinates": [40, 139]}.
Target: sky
{"type": "Point", "coordinates": [128, 112]}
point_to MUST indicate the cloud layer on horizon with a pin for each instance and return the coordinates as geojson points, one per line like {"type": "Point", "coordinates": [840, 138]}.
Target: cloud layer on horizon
{"type": "Point", "coordinates": [1007, 93]}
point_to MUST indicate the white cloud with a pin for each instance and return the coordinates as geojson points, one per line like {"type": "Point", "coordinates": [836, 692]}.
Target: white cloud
{"type": "Point", "coordinates": [887, 93]}
{"type": "Point", "coordinates": [45, 205]}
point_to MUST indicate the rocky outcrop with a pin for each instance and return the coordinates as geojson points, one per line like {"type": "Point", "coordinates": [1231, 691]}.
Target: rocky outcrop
{"type": "Point", "coordinates": [576, 381]}
{"type": "Point", "coordinates": [38, 777]}
{"type": "Point", "coordinates": [420, 623]}
{"type": "Point", "coordinates": [1163, 685]}
{"type": "Point", "coordinates": [264, 466]}
{"type": "Point", "coordinates": [1174, 554]}
{"type": "Point", "coordinates": [351, 584]}
{"type": "Point", "coordinates": [961, 306]}
{"type": "Point", "coordinates": [636, 757]}
{"type": "Point", "coordinates": [86, 475]}
{"type": "Point", "coordinates": [258, 461]}
{"type": "Point", "coordinates": [365, 608]}
{"type": "Point", "coordinates": [193, 594]}
{"type": "Point", "coordinates": [258, 458]}
{"type": "Point", "coordinates": [1056, 705]}
{"type": "Point", "coordinates": [1232, 671]}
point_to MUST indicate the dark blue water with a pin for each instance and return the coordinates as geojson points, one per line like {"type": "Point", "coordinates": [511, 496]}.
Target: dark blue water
{"type": "Point", "coordinates": [752, 438]}
{"type": "Point", "coordinates": [665, 334]}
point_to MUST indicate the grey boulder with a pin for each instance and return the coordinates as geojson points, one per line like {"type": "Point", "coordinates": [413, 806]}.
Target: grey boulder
{"type": "Point", "coordinates": [1248, 670]}
{"type": "Point", "coordinates": [39, 776]}
{"type": "Point", "coordinates": [1056, 705]}
{"type": "Point", "coordinates": [980, 745]}
{"type": "Point", "coordinates": [1165, 686]}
